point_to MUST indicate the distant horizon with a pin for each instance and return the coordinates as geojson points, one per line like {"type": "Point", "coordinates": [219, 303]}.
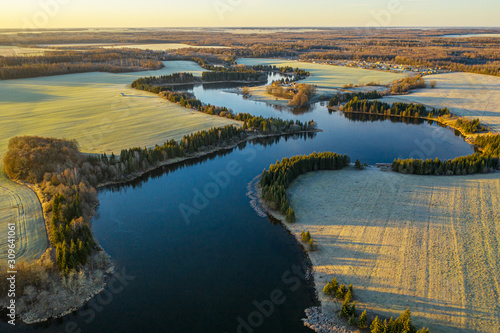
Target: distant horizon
{"type": "Point", "coordinates": [257, 27]}
{"type": "Point", "coordinates": [67, 14]}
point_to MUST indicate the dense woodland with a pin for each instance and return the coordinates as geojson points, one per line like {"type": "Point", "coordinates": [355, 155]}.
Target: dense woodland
{"type": "Point", "coordinates": [275, 181]}
{"type": "Point", "coordinates": [55, 63]}
{"type": "Point", "coordinates": [342, 98]}
{"type": "Point", "coordinates": [397, 109]}
{"type": "Point", "coordinates": [458, 166]}
{"type": "Point", "coordinates": [406, 84]}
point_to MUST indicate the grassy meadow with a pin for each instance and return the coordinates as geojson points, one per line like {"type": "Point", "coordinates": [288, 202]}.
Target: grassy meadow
{"type": "Point", "coordinates": [87, 107]}
{"type": "Point", "coordinates": [424, 242]}
{"type": "Point", "coordinates": [465, 94]}
{"type": "Point", "coordinates": [327, 76]}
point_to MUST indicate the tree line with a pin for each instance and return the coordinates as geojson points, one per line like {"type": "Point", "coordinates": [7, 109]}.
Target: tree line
{"type": "Point", "coordinates": [469, 126]}
{"type": "Point", "coordinates": [56, 63]}
{"type": "Point", "coordinates": [275, 181]}
{"type": "Point", "coordinates": [398, 109]}
{"type": "Point", "coordinates": [139, 159]}
{"type": "Point", "coordinates": [489, 144]}
{"type": "Point", "coordinates": [143, 83]}
{"type": "Point", "coordinates": [342, 98]}
{"type": "Point", "coordinates": [248, 75]}
{"type": "Point", "coordinates": [458, 166]}
{"type": "Point", "coordinates": [408, 83]}
{"type": "Point", "coordinates": [299, 73]}
{"type": "Point", "coordinates": [403, 324]}
{"type": "Point", "coordinates": [250, 122]}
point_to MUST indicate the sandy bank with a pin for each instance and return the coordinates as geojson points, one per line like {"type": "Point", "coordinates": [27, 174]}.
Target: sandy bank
{"type": "Point", "coordinates": [322, 319]}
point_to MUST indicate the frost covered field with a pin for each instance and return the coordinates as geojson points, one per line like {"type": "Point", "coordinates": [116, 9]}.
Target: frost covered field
{"type": "Point", "coordinates": [15, 51]}
{"type": "Point", "coordinates": [430, 243]}
{"type": "Point", "coordinates": [326, 76]}
{"type": "Point", "coordinates": [90, 108]}
{"type": "Point", "coordinates": [20, 205]}
{"type": "Point", "coordinates": [465, 94]}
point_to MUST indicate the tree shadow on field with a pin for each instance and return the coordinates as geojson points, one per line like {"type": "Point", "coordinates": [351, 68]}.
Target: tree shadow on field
{"type": "Point", "coordinates": [397, 303]}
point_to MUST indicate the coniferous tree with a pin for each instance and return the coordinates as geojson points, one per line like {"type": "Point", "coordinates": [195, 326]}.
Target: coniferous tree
{"type": "Point", "coordinates": [362, 322]}
{"type": "Point", "coordinates": [376, 326]}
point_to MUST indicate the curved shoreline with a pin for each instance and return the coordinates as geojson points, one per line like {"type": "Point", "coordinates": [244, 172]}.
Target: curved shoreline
{"type": "Point", "coordinates": [315, 319]}
{"type": "Point", "coordinates": [29, 317]}
{"type": "Point", "coordinates": [448, 122]}
{"type": "Point", "coordinates": [137, 175]}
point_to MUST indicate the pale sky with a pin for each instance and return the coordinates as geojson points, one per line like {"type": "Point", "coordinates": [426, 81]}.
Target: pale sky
{"type": "Point", "coordinates": [40, 14]}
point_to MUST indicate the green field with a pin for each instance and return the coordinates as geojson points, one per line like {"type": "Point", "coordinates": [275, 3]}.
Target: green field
{"type": "Point", "coordinates": [88, 107]}
{"type": "Point", "coordinates": [327, 76]}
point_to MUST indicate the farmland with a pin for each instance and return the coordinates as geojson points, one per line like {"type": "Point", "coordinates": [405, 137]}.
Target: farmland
{"type": "Point", "coordinates": [89, 108]}
{"type": "Point", "coordinates": [465, 94]}
{"type": "Point", "coordinates": [15, 51]}
{"type": "Point", "coordinates": [162, 46]}
{"type": "Point", "coordinates": [327, 76]}
{"type": "Point", "coordinates": [20, 205]}
{"type": "Point", "coordinates": [430, 243]}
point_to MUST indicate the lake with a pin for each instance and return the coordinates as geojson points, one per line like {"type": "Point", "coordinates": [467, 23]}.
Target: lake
{"type": "Point", "coordinates": [209, 262]}
{"type": "Point", "coordinates": [473, 35]}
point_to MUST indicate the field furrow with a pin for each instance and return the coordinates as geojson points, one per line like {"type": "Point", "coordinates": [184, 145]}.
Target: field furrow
{"type": "Point", "coordinates": [428, 243]}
